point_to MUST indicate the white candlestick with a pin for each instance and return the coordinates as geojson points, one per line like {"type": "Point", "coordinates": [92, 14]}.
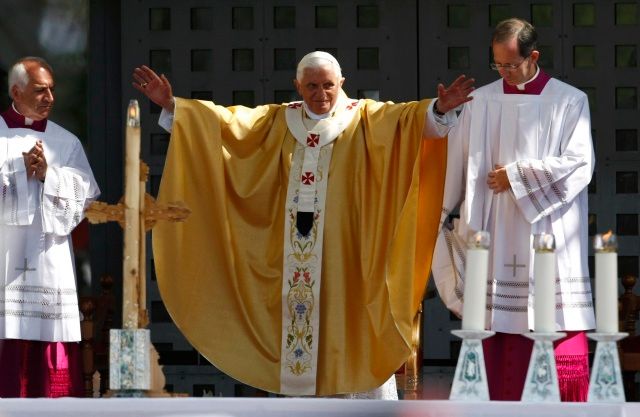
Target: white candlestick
{"type": "Point", "coordinates": [475, 283]}
{"type": "Point", "coordinates": [606, 283]}
{"type": "Point", "coordinates": [544, 278]}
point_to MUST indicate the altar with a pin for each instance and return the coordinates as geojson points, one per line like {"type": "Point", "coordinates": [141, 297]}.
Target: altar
{"type": "Point", "coordinates": [300, 407]}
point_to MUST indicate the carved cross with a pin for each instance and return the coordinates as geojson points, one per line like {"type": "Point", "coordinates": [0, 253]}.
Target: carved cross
{"type": "Point", "coordinates": [99, 212]}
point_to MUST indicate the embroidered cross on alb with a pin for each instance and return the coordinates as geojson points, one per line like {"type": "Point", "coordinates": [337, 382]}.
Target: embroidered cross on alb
{"type": "Point", "coordinates": [313, 139]}
{"type": "Point", "coordinates": [294, 105]}
{"type": "Point", "coordinates": [514, 265]}
{"type": "Point", "coordinates": [308, 178]}
{"type": "Point", "coordinates": [352, 105]}
{"type": "Point", "coordinates": [25, 268]}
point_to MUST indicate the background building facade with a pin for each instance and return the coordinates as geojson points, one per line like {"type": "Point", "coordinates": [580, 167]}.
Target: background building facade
{"type": "Point", "coordinates": [245, 51]}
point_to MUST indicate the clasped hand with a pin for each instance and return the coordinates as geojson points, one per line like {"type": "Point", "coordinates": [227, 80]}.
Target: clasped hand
{"type": "Point", "coordinates": [35, 162]}
{"type": "Point", "coordinates": [497, 180]}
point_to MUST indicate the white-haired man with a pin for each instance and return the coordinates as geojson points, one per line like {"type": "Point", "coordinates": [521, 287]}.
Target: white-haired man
{"type": "Point", "coordinates": [46, 182]}
{"type": "Point", "coordinates": [308, 250]}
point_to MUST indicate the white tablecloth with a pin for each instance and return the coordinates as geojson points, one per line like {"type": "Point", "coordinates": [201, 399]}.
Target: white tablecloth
{"type": "Point", "coordinates": [297, 407]}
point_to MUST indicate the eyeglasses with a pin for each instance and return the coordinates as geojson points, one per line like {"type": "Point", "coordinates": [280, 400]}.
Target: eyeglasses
{"type": "Point", "coordinates": [508, 67]}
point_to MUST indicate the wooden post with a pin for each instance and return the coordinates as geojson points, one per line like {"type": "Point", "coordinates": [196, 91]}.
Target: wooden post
{"type": "Point", "coordinates": [143, 316]}
{"type": "Point", "coordinates": [87, 328]}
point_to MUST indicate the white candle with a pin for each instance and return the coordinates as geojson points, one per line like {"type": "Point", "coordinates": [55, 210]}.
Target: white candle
{"type": "Point", "coordinates": [605, 247]}
{"type": "Point", "coordinates": [130, 261]}
{"type": "Point", "coordinates": [544, 278]}
{"type": "Point", "coordinates": [475, 283]}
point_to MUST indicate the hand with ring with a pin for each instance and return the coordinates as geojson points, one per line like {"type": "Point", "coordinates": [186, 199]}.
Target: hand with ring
{"type": "Point", "coordinates": [156, 87]}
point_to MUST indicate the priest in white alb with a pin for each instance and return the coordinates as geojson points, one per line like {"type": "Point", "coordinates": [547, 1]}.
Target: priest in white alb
{"type": "Point", "coordinates": [46, 184]}
{"type": "Point", "coordinates": [308, 249]}
{"type": "Point", "coordinates": [519, 162]}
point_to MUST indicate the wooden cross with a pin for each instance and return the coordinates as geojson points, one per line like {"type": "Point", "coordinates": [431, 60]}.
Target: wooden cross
{"type": "Point", "coordinates": [25, 268]}
{"type": "Point", "coordinates": [99, 212]}
{"type": "Point", "coordinates": [137, 212]}
{"type": "Point", "coordinates": [514, 265]}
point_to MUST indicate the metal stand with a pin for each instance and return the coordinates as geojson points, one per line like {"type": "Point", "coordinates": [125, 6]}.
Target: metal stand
{"type": "Point", "coordinates": [470, 380]}
{"type": "Point", "coordinates": [605, 384]}
{"type": "Point", "coordinates": [541, 384]}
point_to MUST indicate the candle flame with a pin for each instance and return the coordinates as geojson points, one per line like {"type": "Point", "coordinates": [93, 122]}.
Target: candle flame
{"type": "Point", "coordinates": [133, 114]}
{"type": "Point", "coordinates": [606, 242]}
{"type": "Point", "coordinates": [479, 240]}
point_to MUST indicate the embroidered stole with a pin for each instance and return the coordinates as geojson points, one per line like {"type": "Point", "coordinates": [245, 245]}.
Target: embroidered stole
{"type": "Point", "coordinates": [302, 256]}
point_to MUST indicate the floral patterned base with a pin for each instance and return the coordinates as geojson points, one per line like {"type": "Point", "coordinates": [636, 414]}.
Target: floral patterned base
{"type": "Point", "coordinates": [129, 363]}
{"type": "Point", "coordinates": [605, 384]}
{"type": "Point", "coordinates": [541, 384]}
{"type": "Point", "coordinates": [470, 379]}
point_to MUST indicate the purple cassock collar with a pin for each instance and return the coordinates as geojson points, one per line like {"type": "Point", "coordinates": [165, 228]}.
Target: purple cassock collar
{"type": "Point", "coordinates": [534, 86]}
{"type": "Point", "coordinates": [15, 120]}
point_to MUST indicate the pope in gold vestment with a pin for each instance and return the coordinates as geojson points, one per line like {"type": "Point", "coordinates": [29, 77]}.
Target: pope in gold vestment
{"type": "Point", "coordinates": [220, 273]}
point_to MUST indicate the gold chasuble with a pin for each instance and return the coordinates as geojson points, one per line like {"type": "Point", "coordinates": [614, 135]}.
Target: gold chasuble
{"type": "Point", "coordinates": [222, 272]}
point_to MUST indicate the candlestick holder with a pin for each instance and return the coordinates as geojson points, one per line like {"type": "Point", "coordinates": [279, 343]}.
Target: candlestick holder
{"type": "Point", "coordinates": [605, 384]}
{"type": "Point", "coordinates": [541, 384]}
{"type": "Point", "coordinates": [470, 379]}
{"type": "Point", "coordinates": [129, 362]}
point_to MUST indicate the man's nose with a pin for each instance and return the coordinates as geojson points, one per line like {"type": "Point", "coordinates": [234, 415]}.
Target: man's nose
{"type": "Point", "coordinates": [48, 96]}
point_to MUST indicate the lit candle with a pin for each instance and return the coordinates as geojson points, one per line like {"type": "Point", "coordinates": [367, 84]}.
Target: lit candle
{"type": "Point", "coordinates": [544, 278]}
{"type": "Point", "coordinates": [475, 283]}
{"type": "Point", "coordinates": [130, 261]}
{"type": "Point", "coordinates": [605, 247]}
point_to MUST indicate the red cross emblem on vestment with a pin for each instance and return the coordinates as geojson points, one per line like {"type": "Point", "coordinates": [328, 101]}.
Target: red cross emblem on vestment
{"type": "Point", "coordinates": [313, 139]}
{"type": "Point", "coordinates": [294, 105]}
{"type": "Point", "coordinates": [308, 178]}
{"type": "Point", "coordinates": [352, 105]}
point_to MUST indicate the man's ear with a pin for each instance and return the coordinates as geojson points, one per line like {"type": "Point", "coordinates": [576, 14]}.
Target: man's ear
{"type": "Point", "coordinates": [15, 92]}
{"type": "Point", "coordinates": [342, 82]}
{"type": "Point", "coordinates": [297, 85]}
{"type": "Point", "coordinates": [535, 55]}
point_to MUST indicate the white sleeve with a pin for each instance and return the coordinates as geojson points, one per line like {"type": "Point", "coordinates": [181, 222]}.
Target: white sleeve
{"type": "Point", "coordinates": [450, 250]}
{"type": "Point", "coordinates": [166, 120]}
{"type": "Point", "coordinates": [436, 126]}
{"type": "Point", "coordinates": [19, 195]}
{"type": "Point", "coordinates": [541, 186]}
{"type": "Point", "coordinates": [67, 191]}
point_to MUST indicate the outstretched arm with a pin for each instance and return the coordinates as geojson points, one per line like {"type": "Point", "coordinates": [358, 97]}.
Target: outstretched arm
{"type": "Point", "coordinates": [448, 99]}
{"type": "Point", "coordinates": [156, 88]}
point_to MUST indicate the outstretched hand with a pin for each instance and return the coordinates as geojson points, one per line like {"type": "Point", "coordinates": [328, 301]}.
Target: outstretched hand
{"type": "Point", "coordinates": [456, 94]}
{"type": "Point", "coordinates": [156, 88]}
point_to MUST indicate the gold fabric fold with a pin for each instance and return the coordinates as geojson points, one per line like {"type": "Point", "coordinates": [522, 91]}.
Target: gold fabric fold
{"type": "Point", "coordinates": [220, 272]}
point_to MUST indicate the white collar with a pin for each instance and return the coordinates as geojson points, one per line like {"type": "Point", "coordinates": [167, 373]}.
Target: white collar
{"type": "Point", "coordinates": [522, 86]}
{"type": "Point", "coordinates": [315, 116]}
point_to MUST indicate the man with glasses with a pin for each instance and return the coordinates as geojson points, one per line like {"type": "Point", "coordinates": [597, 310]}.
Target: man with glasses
{"type": "Point", "coordinates": [519, 163]}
